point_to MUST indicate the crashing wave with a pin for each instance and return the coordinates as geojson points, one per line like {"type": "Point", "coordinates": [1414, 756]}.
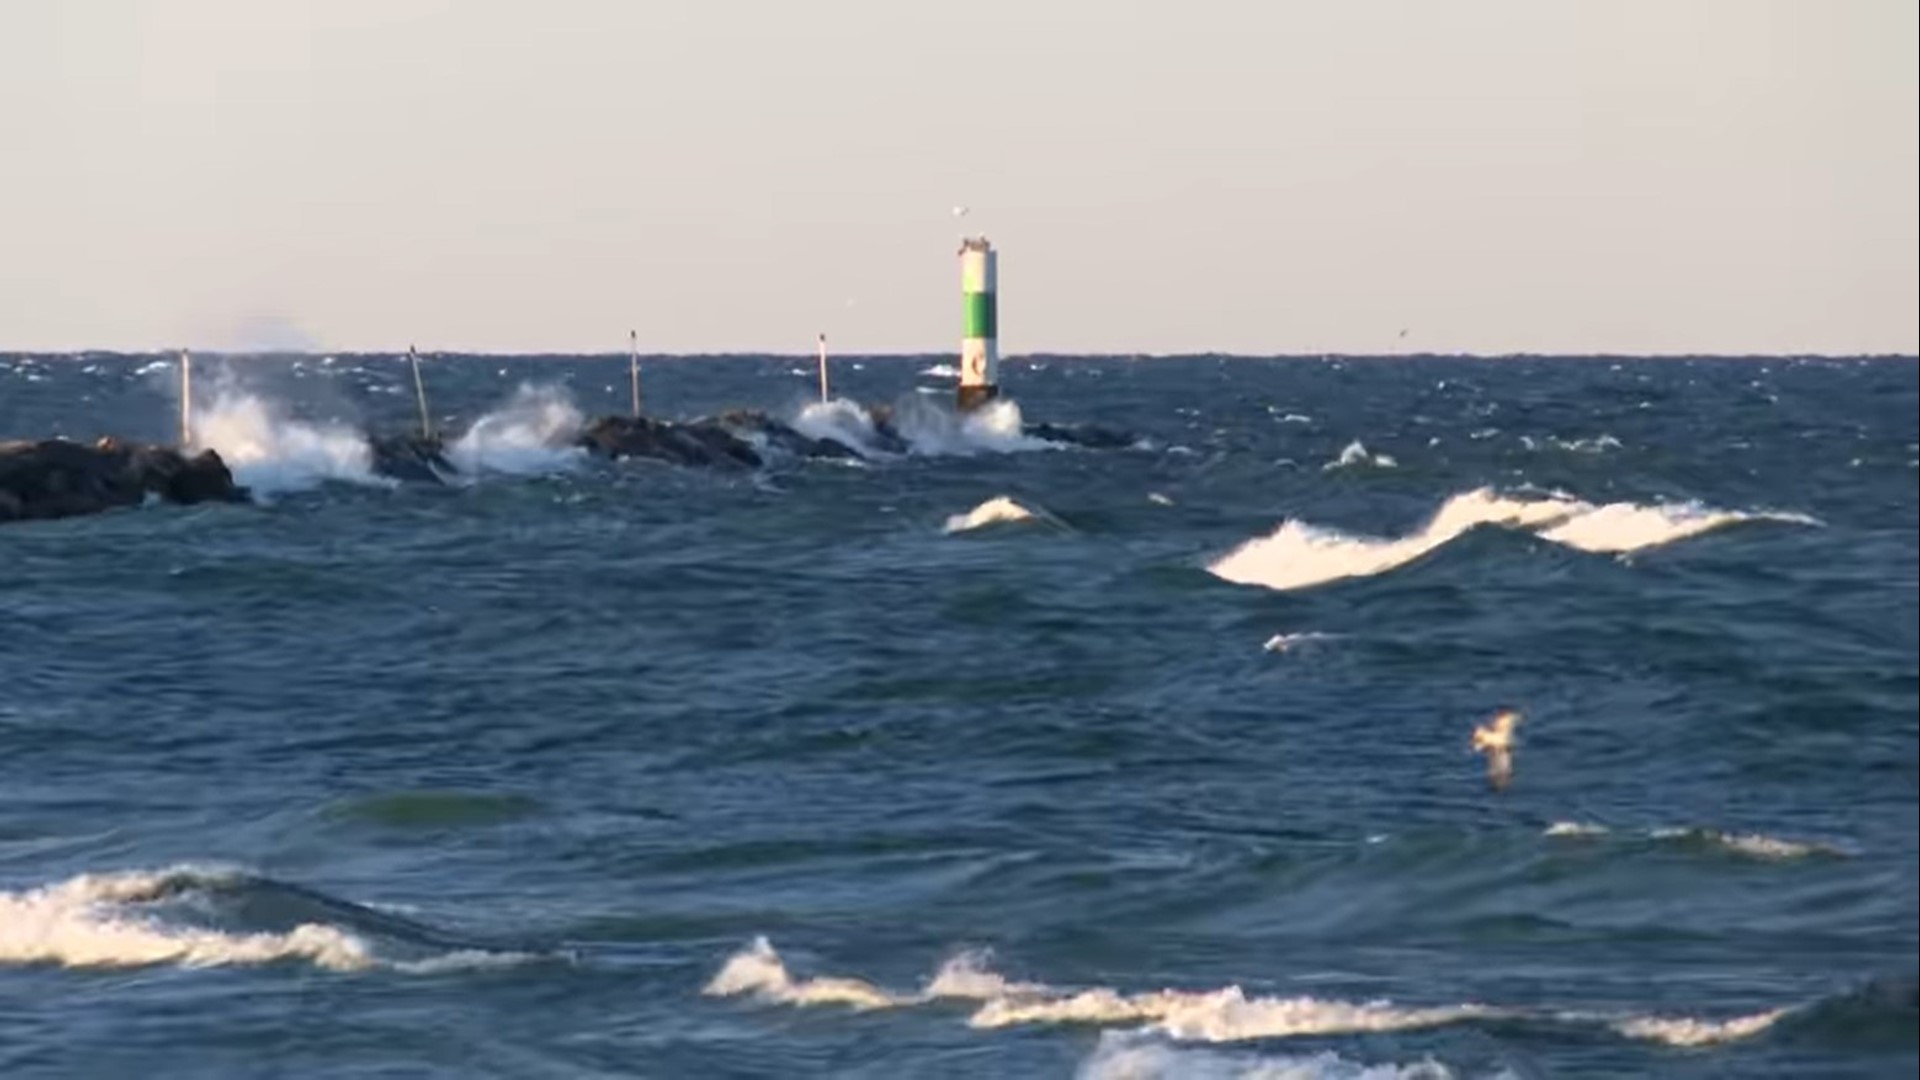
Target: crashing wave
{"type": "Point", "coordinates": [140, 918]}
{"type": "Point", "coordinates": [1299, 554]}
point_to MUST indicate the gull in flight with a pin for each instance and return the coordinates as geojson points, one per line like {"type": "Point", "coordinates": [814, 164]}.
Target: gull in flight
{"type": "Point", "coordinates": [1495, 739]}
{"type": "Point", "coordinates": [959, 211]}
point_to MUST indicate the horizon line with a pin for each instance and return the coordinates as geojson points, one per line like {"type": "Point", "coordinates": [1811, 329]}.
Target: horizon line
{"type": "Point", "coordinates": [734, 354]}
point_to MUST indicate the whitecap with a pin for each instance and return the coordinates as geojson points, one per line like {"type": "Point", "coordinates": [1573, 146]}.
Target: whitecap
{"type": "Point", "coordinates": [94, 920]}
{"type": "Point", "coordinates": [1135, 1056]}
{"type": "Point", "coordinates": [1356, 453]}
{"type": "Point", "coordinates": [1280, 643]}
{"type": "Point", "coordinates": [1693, 1031]}
{"type": "Point", "coordinates": [998, 510]}
{"type": "Point", "coordinates": [1298, 554]}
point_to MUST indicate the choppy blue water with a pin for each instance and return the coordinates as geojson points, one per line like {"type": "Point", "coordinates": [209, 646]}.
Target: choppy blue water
{"type": "Point", "coordinates": [509, 778]}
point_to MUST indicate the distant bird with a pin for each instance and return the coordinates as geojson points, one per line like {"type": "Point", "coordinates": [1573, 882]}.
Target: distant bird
{"type": "Point", "coordinates": [1495, 739]}
{"type": "Point", "coordinates": [959, 211]}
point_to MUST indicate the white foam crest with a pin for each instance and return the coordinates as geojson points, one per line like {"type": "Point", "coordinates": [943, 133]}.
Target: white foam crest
{"type": "Point", "coordinates": [1622, 527]}
{"type": "Point", "coordinates": [998, 510]}
{"type": "Point", "coordinates": [1692, 1031]}
{"type": "Point", "coordinates": [463, 960]}
{"type": "Point", "coordinates": [966, 976]}
{"type": "Point", "coordinates": [1356, 453]}
{"type": "Point", "coordinates": [1595, 445]}
{"type": "Point", "coordinates": [842, 421]}
{"type": "Point", "coordinates": [995, 427]}
{"type": "Point", "coordinates": [93, 921]}
{"type": "Point", "coordinates": [1280, 643]}
{"type": "Point", "coordinates": [941, 371]}
{"type": "Point", "coordinates": [1299, 554]}
{"type": "Point", "coordinates": [1225, 1015]}
{"type": "Point", "coordinates": [1129, 1056]}
{"type": "Point", "coordinates": [271, 452]}
{"type": "Point", "coordinates": [533, 432]}
{"type": "Point", "coordinates": [1575, 828]}
{"type": "Point", "coordinates": [758, 970]}
{"type": "Point", "coordinates": [1756, 845]}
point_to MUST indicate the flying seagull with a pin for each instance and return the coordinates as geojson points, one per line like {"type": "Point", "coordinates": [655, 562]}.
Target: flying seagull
{"type": "Point", "coordinates": [1495, 739]}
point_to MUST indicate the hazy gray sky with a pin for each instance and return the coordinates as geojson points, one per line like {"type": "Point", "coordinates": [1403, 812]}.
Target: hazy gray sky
{"type": "Point", "coordinates": [1252, 176]}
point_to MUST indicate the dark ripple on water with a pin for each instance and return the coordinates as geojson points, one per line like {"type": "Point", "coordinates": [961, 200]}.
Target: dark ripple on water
{"type": "Point", "coordinates": [541, 753]}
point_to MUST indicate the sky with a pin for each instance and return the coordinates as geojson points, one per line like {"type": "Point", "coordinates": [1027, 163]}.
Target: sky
{"type": "Point", "coordinates": [1245, 176]}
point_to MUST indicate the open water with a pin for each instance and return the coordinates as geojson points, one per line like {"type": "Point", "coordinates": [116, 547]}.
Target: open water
{"type": "Point", "coordinates": [997, 759]}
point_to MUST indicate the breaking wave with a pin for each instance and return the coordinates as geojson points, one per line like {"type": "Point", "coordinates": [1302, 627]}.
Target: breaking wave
{"type": "Point", "coordinates": [1356, 453]}
{"type": "Point", "coordinates": [999, 510]}
{"type": "Point", "coordinates": [1212, 1016]}
{"type": "Point", "coordinates": [1281, 643]}
{"type": "Point", "coordinates": [534, 432]}
{"type": "Point", "coordinates": [1299, 554]}
{"type": "Point", "coordinates": [208, 917]}
{"type": "Point", "coordinates": [1226, 1015]}
{"type": "Point", "coordinates": [996, 510]}
{"type": "Point", "coordinates": [1132, 1056]}
{"type": "Point", "coordinates": [759, 971]}
{"type": "Point", "coordinates": [1693, 1031]}
{"type": "Point", "coordinates": [1752, 845]}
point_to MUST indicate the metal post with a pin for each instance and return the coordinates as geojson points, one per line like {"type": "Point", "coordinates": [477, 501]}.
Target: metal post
{"type": "Point", "coordinates": [186, 399]}
{"type": "Point", "coordinates": [420, 391]}
{"type": "Point", "coordinates": [823, 367]}
{"type": "Point", "coordinates": [633, 368]}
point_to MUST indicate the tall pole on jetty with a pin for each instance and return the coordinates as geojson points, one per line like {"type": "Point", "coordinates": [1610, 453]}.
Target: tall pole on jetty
{"type": "Point", "coordinates": [420, 391]}
{"type": "Point", "coordinates": [980, 345]}
{"type": "Point", "coordinates": [186, 399]}
{"type": "Point", "coordinates": [823, 369]}
{"type": "Point", "coordinates": [633, 368]}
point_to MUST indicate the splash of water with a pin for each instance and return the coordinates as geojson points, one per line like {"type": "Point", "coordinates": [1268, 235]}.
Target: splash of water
{"type": "Point", "coordinates": [270, 452]}
{"type": "Point", "coordinates": [534, 432]}
{"type": "Point", "coordinates": [842, 421]}
{"type": "Point", "coordinates": [994, 428]}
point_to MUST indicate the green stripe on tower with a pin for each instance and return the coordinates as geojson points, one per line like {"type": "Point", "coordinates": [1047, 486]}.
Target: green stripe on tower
{"type": "Point", "coordinates": [981, 316]}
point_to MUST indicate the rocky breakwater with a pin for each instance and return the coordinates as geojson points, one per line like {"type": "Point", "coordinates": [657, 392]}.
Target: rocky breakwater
{"type": "Point", "coordinates": [55, 478]}
{"type": "Point", "coordinates": [738, 439]}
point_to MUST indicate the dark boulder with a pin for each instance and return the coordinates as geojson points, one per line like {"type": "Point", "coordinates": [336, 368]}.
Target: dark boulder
{"type": "Point", "coordinates": [56, 478]}
{"type": "Point", "coordinates": [1089, 436]}
{"type": "Point", "coordinates": [417, 458]}
{"type": "Point", "coordinates": [752, 424]}
{"type": "Point", "coordinates": [702, 443]}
